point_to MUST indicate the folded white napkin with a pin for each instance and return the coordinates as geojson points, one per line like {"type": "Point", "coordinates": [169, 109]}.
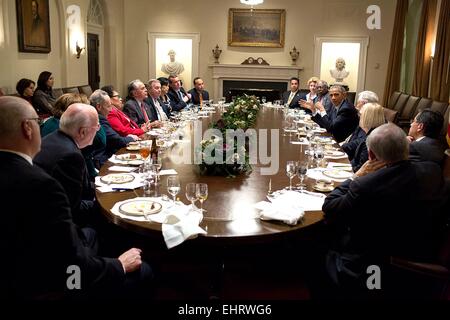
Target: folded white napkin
{"type": "Point", "coordinates": [168, 172]}
{"type": "Point", "coordinates": [104, 187]}
{"type": "Point", "coordinates": [179, 222]}
{"type": "Point", "coordinates": [286, 207]}
{"type": "Point", "coordinates": [121, 169]}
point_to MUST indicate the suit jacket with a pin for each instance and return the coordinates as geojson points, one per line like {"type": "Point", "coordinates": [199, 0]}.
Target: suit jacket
{"type": "Point", "coordinates": [123, 125]}
{"type": "Point", "coordinates": [294, 102]}
{"type": "Point", "coordinates": [43, 102]}
{"type": "Point", "coordinates": [427, 149]}
{"type": "Point", "coordinates": [175, 102]}
{"type": "Point", "coordinates": [61, 158]}
{"type": "Point", "coordinates": [326, 101]}
{"type": "Point", "coordinates": [388, 212]}
{"type": "Point", "coordinates": [153, 109]}
{"type": "Point", "coordinates": [114, 141]}
{"type": "Point", "coordinates": [195, 96]}
{"type": "Point", "coordinates": [344, 123]}
{"type": "Point", "coordinates": [358, 136]}
{"type": "Point", "coordinates": [38, 232]}
{"type": "Point", "coordinates": [133, 110]}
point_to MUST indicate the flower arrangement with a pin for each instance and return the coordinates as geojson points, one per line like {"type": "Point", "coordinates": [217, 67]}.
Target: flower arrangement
{"type": "Point", "coordinates": [225, 159]}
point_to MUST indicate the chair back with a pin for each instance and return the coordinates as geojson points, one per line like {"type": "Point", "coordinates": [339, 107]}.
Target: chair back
{"type": "Point", "coordinates": [390, 115]}
{"type": "Point", "coordinates": [86, 89]}
{"type": "Point", "coordinates": [424, 103]}
{"type": "Point", "coordinates": [58, 92]}
{"type": "Point", "coordinates": [393, 99]}
{"type": "Point", "coordinates": [71, 90]}
{"type": "Point", "coordinates": [409, 108]}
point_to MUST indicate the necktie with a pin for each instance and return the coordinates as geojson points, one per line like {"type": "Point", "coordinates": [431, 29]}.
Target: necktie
{"type": "Point", "coordinates": [291, 96]}
{"type": "Point", "coordinates": [201, 99]}
{"type": "Point", "coordinates": [144, 112]}
{"type": "Point", "coordinates": [180, 94]}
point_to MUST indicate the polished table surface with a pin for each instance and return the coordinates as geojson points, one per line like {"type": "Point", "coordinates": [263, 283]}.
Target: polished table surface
{"type": "Point", "coordinates": [230, 213]}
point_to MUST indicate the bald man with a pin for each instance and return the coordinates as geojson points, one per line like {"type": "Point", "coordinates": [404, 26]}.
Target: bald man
{"type": "Point", "coordinates": [39, 241]}
{"type": "Point", "coordinates": [61, 158]}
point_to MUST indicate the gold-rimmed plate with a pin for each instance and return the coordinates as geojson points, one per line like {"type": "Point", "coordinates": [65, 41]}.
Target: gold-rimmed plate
{"type": "Point", "coordinates": [138, 207]}
{"type": "Point", "coordinates": [323, 187]}
{"type": "Point", "coordinates": [128, 157]}
{"type": "Point", "coordinates": [117, 178]}
{"type": "Point", "coordinates": [337, 174]}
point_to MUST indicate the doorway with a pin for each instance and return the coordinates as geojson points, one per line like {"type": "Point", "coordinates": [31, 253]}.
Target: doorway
{"type": "Point", "coordinates": [93, 44]}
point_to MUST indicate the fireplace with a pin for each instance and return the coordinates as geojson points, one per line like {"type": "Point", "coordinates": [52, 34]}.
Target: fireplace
{"type": "Point", "coordinates": [271, 90]}
{"type": "Point", "coordinates": [261, 80]}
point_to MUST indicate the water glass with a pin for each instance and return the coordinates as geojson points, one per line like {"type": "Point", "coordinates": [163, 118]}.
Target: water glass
{"type": "Point", "coordinates": [290, 172]}
{"type": "Point", "coordinates": [302, 169]}
{"type": "Point", "coordinates": [191, 194]}
{"type": "Point", "coordinates": [201, 191]}
{"type": "Point", "coordinates": [173, 186]}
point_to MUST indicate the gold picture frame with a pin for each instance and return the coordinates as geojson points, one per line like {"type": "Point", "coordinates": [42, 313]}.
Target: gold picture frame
{"type": "Point", "coordinates": [256, 27]}
{"type": "Point", "coordinates": [33, 25]}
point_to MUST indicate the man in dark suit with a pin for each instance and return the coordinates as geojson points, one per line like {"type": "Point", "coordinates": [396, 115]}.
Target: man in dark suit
{"type": "Point", "coordinates": [61, 157]}
{"type": "Point", "coordinates": [388, 208]}
{"type": "Point", "coordinates": [341, 120]}
{"type": "Point", "coordinates": [179, 99]}
{"type": "Point", "coordinates": [322, 95]}
{"type": "Point", "coordinates": [39, 238]}
{"type": "Point", "coordinates": [136, 108]}
{"type": "Point", "coordinates": [101, 101]}
{"type": "Point", "coordinates": [293, 96]}
{"type": "Point", "coordinates": [198, 93]}
{"type": "Point", "coordinates": [424, 136]}
{"type": "Point", "coordinates": [159, 110]}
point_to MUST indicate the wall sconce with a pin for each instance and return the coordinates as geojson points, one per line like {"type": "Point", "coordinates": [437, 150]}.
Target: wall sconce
{"type": "Point", "coordinates": [78, 50]}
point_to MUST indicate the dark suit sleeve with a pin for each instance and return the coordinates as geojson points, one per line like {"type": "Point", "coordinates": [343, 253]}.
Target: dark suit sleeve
{"type": "Point", "coordinates": [113, 140]}
{"type": "Point", "coordinates": [341, 201]}
{"type": "Point", "coordinates": [345, 122]}
{"type": "Point", "coordinates": [175, 102]}
{"type": "Point", "coordinates": [130, 110]}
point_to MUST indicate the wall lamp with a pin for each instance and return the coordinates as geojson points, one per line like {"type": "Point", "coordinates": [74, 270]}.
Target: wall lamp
{"type": "Point", "coordinates": [78, 50]}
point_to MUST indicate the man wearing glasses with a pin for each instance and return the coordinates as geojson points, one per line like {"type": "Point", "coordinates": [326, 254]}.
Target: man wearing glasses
{"type": "Point", "coordinates": [61, 157]}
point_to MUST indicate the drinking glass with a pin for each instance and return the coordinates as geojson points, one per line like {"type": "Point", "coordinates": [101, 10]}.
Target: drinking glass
{"type": "Point", "coordinates": [319, 155]}
{"type": "Point", "coordinates": [302, 169]}
{"type": "Point", "coordinates": [144, 149]}
{"type": "Point", "coordinates": [156, 166]}
{"type": "Point", "coordinates": [290, 172]}
{"type": "Point", "coordinates": [191, 195]}
{"type": "Point", "coordinates": [263, 99]}
{"type": "Point", "coordinates": [173, 186]}
{"type": "Point", "coordinates": [201, 191]}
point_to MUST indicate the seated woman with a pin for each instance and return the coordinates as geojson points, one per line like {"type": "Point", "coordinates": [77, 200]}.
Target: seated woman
{"type": "Point", "coordinates": [312, 94]}
{"type": "Point", "coordinates": [43, 98]}
{"type": "Point", "coordinates": [164, 90]}
{"type": "Point", "coordinates": [118, 120]}
{"type": "Point", "coordinates": [63, 102]}
{"type": "Point", "coordinates": [372, 116]}
{"type": "Point", "coordinates": [25, 89]}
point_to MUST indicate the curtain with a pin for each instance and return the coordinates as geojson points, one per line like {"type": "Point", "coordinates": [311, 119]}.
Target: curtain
{"type": "Point", "coordinates": [395, 57]}
{"type": "Point", "coordinates": [423, 50]}
{"type": "Point", "coordinates": [440, 78]}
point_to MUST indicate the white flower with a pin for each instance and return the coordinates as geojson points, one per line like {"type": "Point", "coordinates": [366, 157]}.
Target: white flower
{"type": "Point", "coordinates": [250, 116]}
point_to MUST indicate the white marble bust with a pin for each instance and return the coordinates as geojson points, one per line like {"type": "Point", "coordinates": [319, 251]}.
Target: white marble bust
{"type": "Point", "coordinates": [173, 68]}
{"type": "Point", "coordinates": [339, 73]}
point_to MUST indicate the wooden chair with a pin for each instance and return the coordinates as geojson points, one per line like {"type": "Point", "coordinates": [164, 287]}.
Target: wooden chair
{"type": "Point", "coordinates": [390, 115]}
{"type": "Point", "coordinates": [424, 103]}
{"type": "Point", "coordinates": [87, 90]}
{"type": "Point", "coordinates": [439, 106]}
{"type": "Point", "coordinates": [71, 90]}
{"type": "Point", "coordinates": [407, 111]}
{"type": "Point", "coordinates": [401, 102]}
{"type": "Point", "coordinates": [393, 99]}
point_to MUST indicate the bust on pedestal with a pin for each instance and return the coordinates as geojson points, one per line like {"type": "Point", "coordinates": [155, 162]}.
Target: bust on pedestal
{"type": "Point", "coordinates": [339, 74]}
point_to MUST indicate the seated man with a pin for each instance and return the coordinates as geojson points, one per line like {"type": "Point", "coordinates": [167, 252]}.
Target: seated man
{"type": "Point", "coordinates": [136, 108]}
{"type": "Point", "coordinates": [341, 120]}
{"type": "Point", "coordinates": [178, 96]}
{"type": "Point", "coordinates": [61, 157]}
{"type": "Point", "coordinates": [119, 121]}
{"type": "Point", "coordinates": [198, 93]}
{"type": "Point", "coordinates": [388, 209]}
{"type": "Point", "coordinates": [158, 109]}
{"type": "Point", "coordinates": [293, 96]}
{"type": "Point", "coordinates": [38, 228]}
{"type": "Point", "coordinates": [322, 95]}
{"type": "Point", "coordinates": [365, 97]}
{"type": "Point", "coordinates": [424, 136]}
{"type": "Point", "coordinates": [102, 103]}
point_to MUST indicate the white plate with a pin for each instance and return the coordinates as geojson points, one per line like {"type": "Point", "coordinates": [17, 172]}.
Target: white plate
{"type": "Point", "coordinates": [320, 130]}
{"type": "Point", "coordinates": [140, 207]}
{"type": "Point", "coordinates": [323, 188]}
{"type": "Point", "coordinates": [334, 153]}
{"type": "Point", "coordinates": [117, 178]}
{"type": "Point", "coordinates": [133, 147]}
{"type": "Point", "coordinates": [129, 156]}
{"type": "Point", "coordinates": [337, 174]}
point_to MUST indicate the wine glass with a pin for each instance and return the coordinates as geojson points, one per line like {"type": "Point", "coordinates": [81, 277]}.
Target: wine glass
{"type": "Point", "coordinates": [191, 194]}
{"type": "Point", "coordinates": [201, 191]}
{"type": "Point", "coordinates": [173, 186]}
{"type": "Point", "coordinates": [156, 167]}
{"type": "Point", "coordinates": [263, 99]}
{"type": "Point", "coordinates": [290, 172]}
{"type": "Point", "coordinates": [302, 169]}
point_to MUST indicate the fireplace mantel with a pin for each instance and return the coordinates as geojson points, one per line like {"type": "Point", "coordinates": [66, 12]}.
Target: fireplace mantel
{"type": "Point", "coordinates": [221, 72]}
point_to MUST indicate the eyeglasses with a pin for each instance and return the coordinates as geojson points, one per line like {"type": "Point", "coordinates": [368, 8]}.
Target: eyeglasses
{"type": "Point", "coordinates": [38, 120]}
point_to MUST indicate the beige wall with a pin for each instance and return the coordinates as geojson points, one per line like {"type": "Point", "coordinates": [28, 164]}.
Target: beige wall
{"type": "Point", "coordinates": [127, 24]}
{"type": "Point", "coordinates": [304, 20]}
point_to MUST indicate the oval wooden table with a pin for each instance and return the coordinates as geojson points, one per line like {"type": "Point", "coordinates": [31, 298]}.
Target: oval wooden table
{"type": "Point", "coordinates": [230, 217]}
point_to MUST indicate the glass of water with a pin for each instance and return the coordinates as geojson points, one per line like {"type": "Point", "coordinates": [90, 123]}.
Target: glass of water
{"type": "Point", "coordinates": [173, 186]}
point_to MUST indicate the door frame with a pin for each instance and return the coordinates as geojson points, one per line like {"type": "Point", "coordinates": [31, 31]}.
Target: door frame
{"type": "Point", "coordinates": [98, 30]}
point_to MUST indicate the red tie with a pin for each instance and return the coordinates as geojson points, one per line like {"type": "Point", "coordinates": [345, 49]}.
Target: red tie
{"type": "Point", "coordinates": [144, 112]}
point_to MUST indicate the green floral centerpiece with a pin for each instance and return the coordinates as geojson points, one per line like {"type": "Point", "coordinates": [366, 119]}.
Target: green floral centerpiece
{"type": "Point", "coordinates": [220, 154]}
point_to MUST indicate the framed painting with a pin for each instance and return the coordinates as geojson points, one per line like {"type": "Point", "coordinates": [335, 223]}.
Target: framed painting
{"type": "Point", "coordinates": [256, 27]}
{"type": "Point", "coordinates": [33, 25]}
